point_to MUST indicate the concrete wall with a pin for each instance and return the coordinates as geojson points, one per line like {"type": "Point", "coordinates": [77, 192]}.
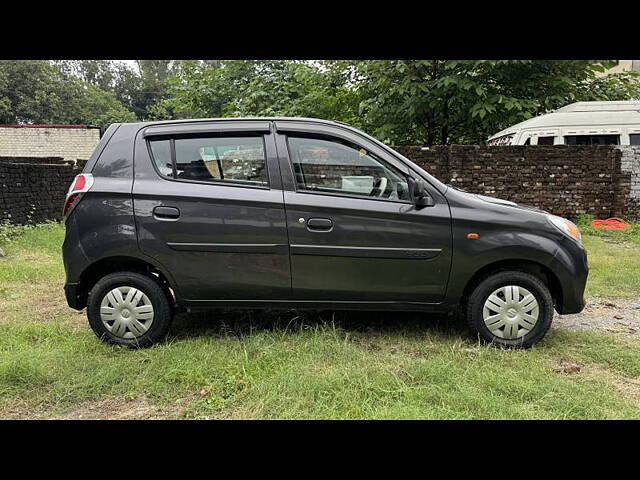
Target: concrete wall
{"type": "Point", "coordinates": [68, 143]}
{"type": "Point", "coordinates": [630, 164]}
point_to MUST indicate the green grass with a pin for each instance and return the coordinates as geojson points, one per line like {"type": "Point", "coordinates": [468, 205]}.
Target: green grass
{"type": "Point", "coordinates": [269, 365]}
{"type": "Point", "coordinates": [630, 235]}
{"type": "Point", "coordinates": [614, 260]}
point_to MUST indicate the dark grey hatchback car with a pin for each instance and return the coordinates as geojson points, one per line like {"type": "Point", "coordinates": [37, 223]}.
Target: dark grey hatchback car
{"type": "Point", "coordinates": [300, 213]}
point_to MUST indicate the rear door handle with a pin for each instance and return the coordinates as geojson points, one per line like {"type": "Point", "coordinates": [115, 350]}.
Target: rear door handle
{"type": "Point", "coordinates": [319, 224]}
{"type": "Point", "coordinates": [166, 213]}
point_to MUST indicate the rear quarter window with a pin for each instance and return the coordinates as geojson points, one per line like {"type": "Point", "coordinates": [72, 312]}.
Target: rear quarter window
{"type": "Point", "coordinates": [161, 154]}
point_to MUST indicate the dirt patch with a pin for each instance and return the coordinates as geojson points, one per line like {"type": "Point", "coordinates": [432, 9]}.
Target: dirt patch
{"type": "Point", "coordinates": [617, 316]}
{"type": "Point", "coordinates": [565, 366]}
{"type": "Point", "coordinates": [628, 387]}
{"type": "Point", "coordinates": [120, 409]}
{"type": "Point", "coordinates": [40, 302]}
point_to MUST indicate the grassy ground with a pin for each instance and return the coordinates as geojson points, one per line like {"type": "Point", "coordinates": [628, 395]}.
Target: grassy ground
{"type": "Point", "coordinates": [614, 260]}
{"type": "Point", "coordinates": [244, 365]}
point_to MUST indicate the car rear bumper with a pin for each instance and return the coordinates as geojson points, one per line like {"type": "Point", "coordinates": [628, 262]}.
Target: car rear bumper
{"type": "Point", "coordinates": [71, 291]}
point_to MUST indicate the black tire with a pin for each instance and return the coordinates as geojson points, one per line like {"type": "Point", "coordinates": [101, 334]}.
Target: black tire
{"type": "Point", "coordinates": [491, 283]}
{"type": "Point", "coordinates": [162, 311]}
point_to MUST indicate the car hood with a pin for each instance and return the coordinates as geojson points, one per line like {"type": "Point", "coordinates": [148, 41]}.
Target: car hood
{"type": "Point", "coordinates": [496, 201]}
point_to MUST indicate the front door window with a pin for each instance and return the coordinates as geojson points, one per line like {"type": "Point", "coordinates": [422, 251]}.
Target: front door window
{"type": "Point", "coordinates": [335, 167]}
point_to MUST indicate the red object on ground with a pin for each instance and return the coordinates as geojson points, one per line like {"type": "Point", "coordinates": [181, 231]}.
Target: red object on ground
{"type": "Point", "coordinates": [613, 223]}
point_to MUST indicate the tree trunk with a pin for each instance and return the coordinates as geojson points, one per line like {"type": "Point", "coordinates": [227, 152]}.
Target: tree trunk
{"type": "Point", "coordinates": [445, 122]}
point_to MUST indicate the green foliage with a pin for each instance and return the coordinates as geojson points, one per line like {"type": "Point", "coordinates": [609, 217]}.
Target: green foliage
{"type": "Point", "coordinates": [399, 101]}
{"type": "Point", "coordinates": [403, 101]}
{"type": "Point", "coordinates": [264, 88]}
{"type": "Point", "coordinates": [455, 101]}
{"type": "Point", "coordinates": [8, 231]}
{"type": "Point", "coordinates": [613, 259]}
{"type": "Point", "coordinates": [39, 92]}
{"type": "Point", "coordinates": [141, 91]}
{"type": "Point", "coordinates": [98, 107]}
{"type": "Point", "coordinates": [620, 86]}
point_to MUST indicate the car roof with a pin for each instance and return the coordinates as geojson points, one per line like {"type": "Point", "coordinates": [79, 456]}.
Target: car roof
{"type": "Point", "coordinates": [235, 119]}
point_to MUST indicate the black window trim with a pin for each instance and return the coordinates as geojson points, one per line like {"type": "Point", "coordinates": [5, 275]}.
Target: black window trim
{"type": "Point", "coordinates": [552, 137]}
{"type": "Point", "coordinates": [618, 135]}
{"type": "Point", "coordinates": [226, 134]}
{"type": "Point", "coordinates": [300, 134]}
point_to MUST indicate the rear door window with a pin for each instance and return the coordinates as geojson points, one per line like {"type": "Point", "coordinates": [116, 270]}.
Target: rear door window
{"type": "Point", "coordinates": [239, 160]}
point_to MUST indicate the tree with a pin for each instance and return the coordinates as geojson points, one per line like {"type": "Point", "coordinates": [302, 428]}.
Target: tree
{"type": "Point", "coordinates": [38, 92]}
{"type": "Point", "coordinates": [30, 92]}
{"type": "Point", "coordinates": [263, 88]}
{"type": "Point", "coordinates": [148, 100]}
{"type": "Point", "coordinates": [402, 101]}
{"type": "Point", "coordinates": [621, 86]}
{"type": "Point", "coordinates": [100, 73]}
{"type": "Point", "coordinates": [100, 108]}
{"type": "Point", "coordinates": [414, 101]}
{"type": "Point", "coordinates": [142, 91]}
{"type": "Point", "coordinates": [437, 101]}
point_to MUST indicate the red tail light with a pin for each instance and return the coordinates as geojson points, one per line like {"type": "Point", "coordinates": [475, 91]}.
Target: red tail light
{"type": "Point", "coordinates": [81, 184]}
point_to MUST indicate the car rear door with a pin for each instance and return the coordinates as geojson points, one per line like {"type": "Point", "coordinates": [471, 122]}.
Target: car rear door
{"type": "Point", "coordinates": [350, 240]}
{"type": "Point", "coordinates": [208, 207]}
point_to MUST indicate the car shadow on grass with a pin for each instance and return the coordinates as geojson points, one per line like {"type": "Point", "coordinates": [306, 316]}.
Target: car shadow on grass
{"type": "Point", "coordinates": [241, 323]}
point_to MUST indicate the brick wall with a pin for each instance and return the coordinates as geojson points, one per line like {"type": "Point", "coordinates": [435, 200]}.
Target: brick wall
{"type": "Point", "coordinates": [33, 190]}
{"type": "Point", "coordinates": [565, 180]}
{"type": "Point", "coordinates": [68, 143]}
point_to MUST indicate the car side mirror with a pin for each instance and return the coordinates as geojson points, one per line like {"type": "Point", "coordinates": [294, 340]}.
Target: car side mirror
{"type": "Point", "coordinates": [418, 193]}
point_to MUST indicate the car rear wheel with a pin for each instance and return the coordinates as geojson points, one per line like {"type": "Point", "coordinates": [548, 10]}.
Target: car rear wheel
{"type": "Point", "coordinates": [510, 309]}
{"type": "Point", "coordinates": [130, 309]}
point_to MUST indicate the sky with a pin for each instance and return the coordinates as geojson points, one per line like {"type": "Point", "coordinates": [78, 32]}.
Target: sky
{"type": "Point", "coordinates": [130, 63]}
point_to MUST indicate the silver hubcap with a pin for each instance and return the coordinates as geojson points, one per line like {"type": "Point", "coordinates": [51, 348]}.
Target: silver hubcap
{"type": "Point", "coordinates": [510, 312]}
{"type": "Point", "coordinates": [126, 312]}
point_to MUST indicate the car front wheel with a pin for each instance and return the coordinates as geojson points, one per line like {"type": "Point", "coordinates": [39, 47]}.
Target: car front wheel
{"type": "Point", "coordinates": [510, 309]}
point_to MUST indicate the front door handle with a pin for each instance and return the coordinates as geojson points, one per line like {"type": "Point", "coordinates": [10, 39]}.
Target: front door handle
{"type": "Point", "coordinates": [319, 224]}
{"type": "Point", "coordinates": [166, 213]}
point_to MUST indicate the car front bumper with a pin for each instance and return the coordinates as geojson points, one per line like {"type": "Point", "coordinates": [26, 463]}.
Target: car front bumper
{"type": "Point", "coordinates": [571, 267]}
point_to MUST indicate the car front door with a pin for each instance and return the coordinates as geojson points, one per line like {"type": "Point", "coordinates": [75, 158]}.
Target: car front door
{"type": "Point", "coordinates": [208, 207]}
{"type": "Point", "coordinates": [354, 234]}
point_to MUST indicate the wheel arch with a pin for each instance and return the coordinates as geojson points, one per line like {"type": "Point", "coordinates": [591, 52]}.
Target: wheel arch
{"type": "Point", "coordinates": [539, 270]}
{"type": "Point", "coordinates": [123, 263]}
